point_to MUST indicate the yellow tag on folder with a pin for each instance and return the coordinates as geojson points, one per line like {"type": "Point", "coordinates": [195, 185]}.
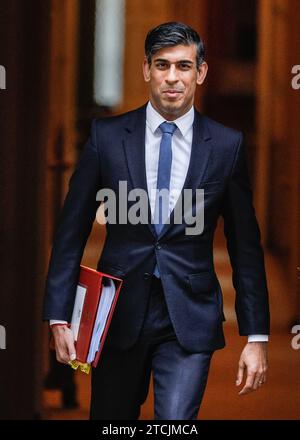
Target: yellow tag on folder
{"type": "Point", "coordinates": [85, 368]}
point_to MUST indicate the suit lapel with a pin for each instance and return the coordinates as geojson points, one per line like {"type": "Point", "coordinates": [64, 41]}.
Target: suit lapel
{"type": "Point", "coordinates": [134, 147]}
{"type": "Point", "coordinates": [200, 153]}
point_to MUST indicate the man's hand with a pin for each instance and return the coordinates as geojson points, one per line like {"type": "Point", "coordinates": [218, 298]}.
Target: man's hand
{"type": "Point", "coordinates": [254, 359]}
{"type": "Point", "coordinates": [64, 343]}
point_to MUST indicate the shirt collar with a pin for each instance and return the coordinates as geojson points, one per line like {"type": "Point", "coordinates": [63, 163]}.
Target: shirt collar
{"type": "Point", "coordinates": [154, 119]}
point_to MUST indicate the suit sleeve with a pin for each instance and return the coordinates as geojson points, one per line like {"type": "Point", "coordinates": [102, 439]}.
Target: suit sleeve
{"type": "Point", "coordinates": [245, 251]}
{"type": "Point", "coordinates": [74, 226]}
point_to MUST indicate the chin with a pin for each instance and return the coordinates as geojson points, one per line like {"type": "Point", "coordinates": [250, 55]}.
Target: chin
{"type": "Point", "coordinates": [173, 110]}
{"type": "Point", "coordinates": [171, 105]}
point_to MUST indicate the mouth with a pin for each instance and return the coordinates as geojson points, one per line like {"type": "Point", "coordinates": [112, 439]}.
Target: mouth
{"type": "Point", "coordinates": [172, 93]}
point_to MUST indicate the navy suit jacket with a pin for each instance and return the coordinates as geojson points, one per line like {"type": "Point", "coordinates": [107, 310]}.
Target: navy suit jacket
{"type": "Point", "coordinates": [115, 152]}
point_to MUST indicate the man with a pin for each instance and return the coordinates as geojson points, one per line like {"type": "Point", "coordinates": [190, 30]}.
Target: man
{"type": "Point", "coordinates": [169, 315]}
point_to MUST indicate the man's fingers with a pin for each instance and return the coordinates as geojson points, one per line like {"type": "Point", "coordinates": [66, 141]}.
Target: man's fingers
{"type": "Point", "coordinates": [66, 353]}
{"type": "Point", "coordinates": [253, 382]}
{"type": "Point", "coordinates": [65, 348]}
{"type": "Point", "coordinates": [71, 351]}
{"type": "Point", "coordinates": [254, 359]}
{"type": "Point", "coordinates": [69, 339]}
{"type": "Point", "coordinates": [240, 374]}
{"type": "Point", "coordinates": [249, 384]}
{"type": "Point", "coordinates": [62, 353]}
{"type": "Point", "coordinates": [63, 357]}
{"type": "Point", "coordinates": [262, 379]}
{"type": "Point", "coordinates": [259, 380]}
{"type": "Point", "coordinates": [245, 390]}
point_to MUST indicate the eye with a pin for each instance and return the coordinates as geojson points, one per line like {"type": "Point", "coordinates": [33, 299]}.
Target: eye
{"type": "Point", "coordinates": [184, 66]}
{"type": "Point", "coordinates": [161, 65]}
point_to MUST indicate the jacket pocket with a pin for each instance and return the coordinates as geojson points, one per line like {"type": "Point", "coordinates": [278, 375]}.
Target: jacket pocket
{"type": "Point", "coordinates": [203, 282]}
{"type": "Point", "coordinates": [212, 186]}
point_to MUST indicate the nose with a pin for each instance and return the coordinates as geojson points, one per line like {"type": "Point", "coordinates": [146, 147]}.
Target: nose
{"type": "Point", "coordinates": [172, 74]}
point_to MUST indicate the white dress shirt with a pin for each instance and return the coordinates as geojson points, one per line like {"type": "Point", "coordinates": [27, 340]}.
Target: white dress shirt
{"type": "Point", "coordinates": [181, 153]}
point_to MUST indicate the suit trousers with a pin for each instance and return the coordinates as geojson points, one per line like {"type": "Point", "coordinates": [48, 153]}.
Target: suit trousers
{"type": "Point", "coordinates": [120, 383]}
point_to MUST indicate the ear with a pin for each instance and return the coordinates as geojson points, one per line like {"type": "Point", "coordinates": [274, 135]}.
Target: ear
{"type": "Point", "coordinates": [146, 70]}
{"type": "Point", "coordinates": [202, 72]}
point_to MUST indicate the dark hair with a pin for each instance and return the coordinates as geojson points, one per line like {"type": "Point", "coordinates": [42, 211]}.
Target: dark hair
{"type": "Point", "coordinates": [172, 34]}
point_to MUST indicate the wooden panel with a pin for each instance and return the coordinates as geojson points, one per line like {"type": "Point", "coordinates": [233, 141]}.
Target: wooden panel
{"type": "Point", "coordinates": [294, 136]}
{"type": "Point", "coordinates": [22, 170]}
{"type": "Point", "coordinates": [278, 113]}
{"type": "Point", "coordinates": [61, 139]}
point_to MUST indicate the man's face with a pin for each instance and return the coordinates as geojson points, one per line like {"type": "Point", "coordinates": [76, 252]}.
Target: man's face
{"type": "Point", "coordinates": [173, 77]}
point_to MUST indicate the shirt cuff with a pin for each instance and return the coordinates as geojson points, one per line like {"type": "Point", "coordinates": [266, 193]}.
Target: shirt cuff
{"type": "Point", "coordinates": [258, 338]}
{"type": "Point", "coordinates": [57, 321]}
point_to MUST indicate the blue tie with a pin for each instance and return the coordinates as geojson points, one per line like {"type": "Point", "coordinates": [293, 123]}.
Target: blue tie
{"type": "Point", "coordinates": [163, 178]}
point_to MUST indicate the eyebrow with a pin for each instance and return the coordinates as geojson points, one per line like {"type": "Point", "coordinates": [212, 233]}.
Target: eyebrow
{"type": "Point", "coordinates": [167, 61]}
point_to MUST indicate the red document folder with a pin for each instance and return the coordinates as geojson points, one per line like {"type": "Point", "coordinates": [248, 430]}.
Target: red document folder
{"type": "Point", "coordinates": [91, 282]}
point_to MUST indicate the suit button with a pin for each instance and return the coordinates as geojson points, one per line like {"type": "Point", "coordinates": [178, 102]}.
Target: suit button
{"type": "Point", "coordinates": [157, 245]}
{"type": "Point", "coordinates": [147, 276]}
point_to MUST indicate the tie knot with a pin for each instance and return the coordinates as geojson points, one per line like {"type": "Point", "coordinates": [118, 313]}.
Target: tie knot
{"type": "Point", "coordinates": [168, 127]}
